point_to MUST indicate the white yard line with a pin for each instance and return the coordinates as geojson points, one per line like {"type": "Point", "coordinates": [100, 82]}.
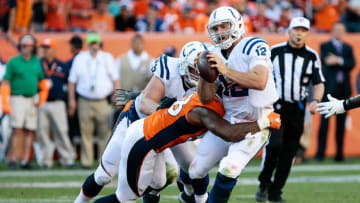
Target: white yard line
{"type": "Point", "coordinates": [241, 181]}
{"type": "Point", "coordinates": [75, 172]}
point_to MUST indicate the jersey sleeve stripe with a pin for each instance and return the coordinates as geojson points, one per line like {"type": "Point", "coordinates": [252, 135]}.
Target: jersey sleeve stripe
{"type": "Point", "coordinates": [161, 67]}
{"type": "Point", "coordinates": [248, 42]}
{"type": "Point", "coordinates": [166, 68]}
{"type": "Point", "coordinates": [202, 43]}
{"type": "Point", "coordinates": [253, 44]}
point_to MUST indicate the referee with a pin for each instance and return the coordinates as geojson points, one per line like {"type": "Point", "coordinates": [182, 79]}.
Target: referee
{"type": "Point", "coordinates": [295, 67]}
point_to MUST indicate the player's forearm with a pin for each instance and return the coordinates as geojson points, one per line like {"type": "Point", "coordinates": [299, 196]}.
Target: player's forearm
{"type": "Point", "coordinates": [147, 105]}
{"type": "Point", "coordinates": [71, 91]}
{"type": "Point", "coordinates": [352, 103]}
{"type": "Point", "coordinates": [222, 128]}
{"type": "Point", "coordinates": [255, 79]}
{"type": "Point", "coordinates": [235, 132]}
{"type": "Point", "coordinates": [318, 91]}
{"type": "Point", "coordinates": [206, 91]}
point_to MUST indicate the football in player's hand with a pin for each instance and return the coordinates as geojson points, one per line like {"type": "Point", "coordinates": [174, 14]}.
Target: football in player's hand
{"type": "Point", "coordinates": [206, 72]}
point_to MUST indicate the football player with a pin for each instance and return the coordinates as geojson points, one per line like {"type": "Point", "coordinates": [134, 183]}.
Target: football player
{"type": "Point", "coordinates": [172, 77]}
{"type": "Point", "coordinates": [247, 88]}
{"type": "Point", "coordinates": [142, 164]}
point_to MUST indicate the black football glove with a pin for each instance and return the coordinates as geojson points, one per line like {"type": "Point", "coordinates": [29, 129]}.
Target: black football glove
{"type": "Point", "coordinates": [124, 96]}
{"type": "Point", "coordinates": [166, 102]}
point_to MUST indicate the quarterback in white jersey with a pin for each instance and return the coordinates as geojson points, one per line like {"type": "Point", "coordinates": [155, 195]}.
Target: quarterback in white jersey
{"type": "Point", "coordinates": [247, 88]}
{"type": "Point", "coordinates": [172, 77]}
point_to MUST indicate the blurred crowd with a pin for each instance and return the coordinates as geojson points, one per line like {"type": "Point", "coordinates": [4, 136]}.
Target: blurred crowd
{"type": "Point", "coordinates": [180, 16]}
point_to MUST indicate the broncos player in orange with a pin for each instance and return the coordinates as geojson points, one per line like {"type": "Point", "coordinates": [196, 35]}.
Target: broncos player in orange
{"type": "Point", "coordinates": [142, 165]}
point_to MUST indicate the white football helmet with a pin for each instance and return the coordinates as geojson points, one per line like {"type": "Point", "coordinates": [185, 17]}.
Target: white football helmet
{"type": "Point", "coordinates": [187, 67]}
{"type": "Point", "coordinates": [229, 15]}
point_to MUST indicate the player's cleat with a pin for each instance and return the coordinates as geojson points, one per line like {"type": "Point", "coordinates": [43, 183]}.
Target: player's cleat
{"type": "Point", "coordinates": [262, 194]}
{"type": "Point", "coordinates": [150, 198]}
{"type": "Point", "coordinates": [184, 198]}
{"type": "Point", "coordinates": [179, 185]}
{"type": "Point", "coordinates": [276, 198]}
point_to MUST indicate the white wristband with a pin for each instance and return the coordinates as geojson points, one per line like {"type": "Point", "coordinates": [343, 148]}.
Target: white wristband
{"type": "Point", "coordinates": [263, 123]}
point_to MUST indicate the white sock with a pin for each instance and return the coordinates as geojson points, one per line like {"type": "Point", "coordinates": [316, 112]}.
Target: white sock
{"type": "Point", "coordinates": [81, 198]}
{"type": "Point", "coordinates": [201, 198]}
{"type": "Point", "coordinates": [189, 190]}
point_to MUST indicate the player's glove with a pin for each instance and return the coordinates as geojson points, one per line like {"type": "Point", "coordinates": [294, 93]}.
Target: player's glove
{"type": "Point", "coordinates": [166, 102]}
{"type": "Point", "coordinates": [124, 96]}
{"type": "Point", "coordinates": [333, 106]}
{"type": "Point", "coordinates": [272, 121]}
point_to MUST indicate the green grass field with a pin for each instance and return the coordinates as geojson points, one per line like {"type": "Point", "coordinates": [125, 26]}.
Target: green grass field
{"type": "Point", "coordinates": [308, 183]}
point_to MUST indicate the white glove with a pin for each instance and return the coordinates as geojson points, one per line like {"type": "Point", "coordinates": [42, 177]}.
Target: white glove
{"type": "Point", "coordinates": [333, 106]}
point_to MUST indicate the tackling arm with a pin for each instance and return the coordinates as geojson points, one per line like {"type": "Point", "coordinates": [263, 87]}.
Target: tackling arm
{"type": "Point", "coordinates": [220, 127]}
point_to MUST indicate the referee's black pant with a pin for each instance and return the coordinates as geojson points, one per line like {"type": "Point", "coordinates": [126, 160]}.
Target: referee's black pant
{"type": "Point", "coordinates": [282, 146]}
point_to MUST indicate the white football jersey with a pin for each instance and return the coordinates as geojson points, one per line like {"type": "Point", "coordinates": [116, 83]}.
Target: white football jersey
{"type": "Point", "coordinates": [241, 104]}
{"type": "Point", "coordinates": [166, 69]}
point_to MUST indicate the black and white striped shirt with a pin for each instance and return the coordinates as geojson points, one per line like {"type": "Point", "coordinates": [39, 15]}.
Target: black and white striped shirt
{"type": "Point", "coordinates": [294, 69]}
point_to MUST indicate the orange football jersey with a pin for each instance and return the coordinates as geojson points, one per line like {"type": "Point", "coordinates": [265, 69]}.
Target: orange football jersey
{"type": "Point", "coordinates": [168, 127]}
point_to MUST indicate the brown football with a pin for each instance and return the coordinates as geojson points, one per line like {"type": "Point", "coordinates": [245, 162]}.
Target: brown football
{"type": "Point", "coordinates": [206, 72]}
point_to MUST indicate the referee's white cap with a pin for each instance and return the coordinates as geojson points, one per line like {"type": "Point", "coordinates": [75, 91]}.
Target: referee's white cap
{"type": "Point", "coordinates": [299, 22]}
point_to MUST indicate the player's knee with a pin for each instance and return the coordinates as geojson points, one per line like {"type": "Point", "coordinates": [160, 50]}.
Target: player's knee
{"type": "Point", "coordinates": [231, 168]}
{"type": "Point", "coordinates": [158, 181]}
{"type": "Point", "coordinates": [103, 177]}
{"type": "Point", "coordinates": [197, 171]}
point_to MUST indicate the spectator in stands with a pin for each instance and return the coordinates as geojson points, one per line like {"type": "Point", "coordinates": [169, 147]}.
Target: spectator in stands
{"type": "Point", "coordinates": [338, 59]}
{"type": "Point", "coordinates": [94, 76]}
{"type": "Point", "coordinates": [80, 15]}
{"type": "Point", "coordinates": [285, 17]}
{"type": "Point", "coordinates": [198, 6]}
{"type": "Point", "coordinates": [186, 20]}
{"type": "Point", "coordinates": [172, 10]}
{"type": "Point", "coordinates": [134, 66]}
{"type": "Point", "coordinates": [101, 20]}
{"type": "Point", "coordinates": [326, 13]}
{"type": "Point", "coordinates": [352, 16]}
{"type": "Point", "coordinates": [273, 10]}
{"type": "Point", "coordinates": [52, 119]}
{"type": "Point", "coordinates": [151, 22]}
{"type": "Point", "coordinates": [125, 21]}
{"type": "Point", "coordinates": [23, 16]}
{"type": "Point", "coordinates": [115, 6]}
{"type": "Point", "coordinates": [76, 45]}
{"type": "Point", "coordinates": [7, 16]}
{"type": "Point", "coordinates": [141, 7]}
{"type": "Point", "coordinates": [23, 78]}
{"type": "Point", "coordinates": [39, 10]}
{"type": "Point", "coordinates": [202, 19]}
{"type": "Point", "coordinates": [57, 15]}
{"type": "Point", "coordinates": [261, 23]}
{"type": "Point", "coordinates": [242, 7]}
